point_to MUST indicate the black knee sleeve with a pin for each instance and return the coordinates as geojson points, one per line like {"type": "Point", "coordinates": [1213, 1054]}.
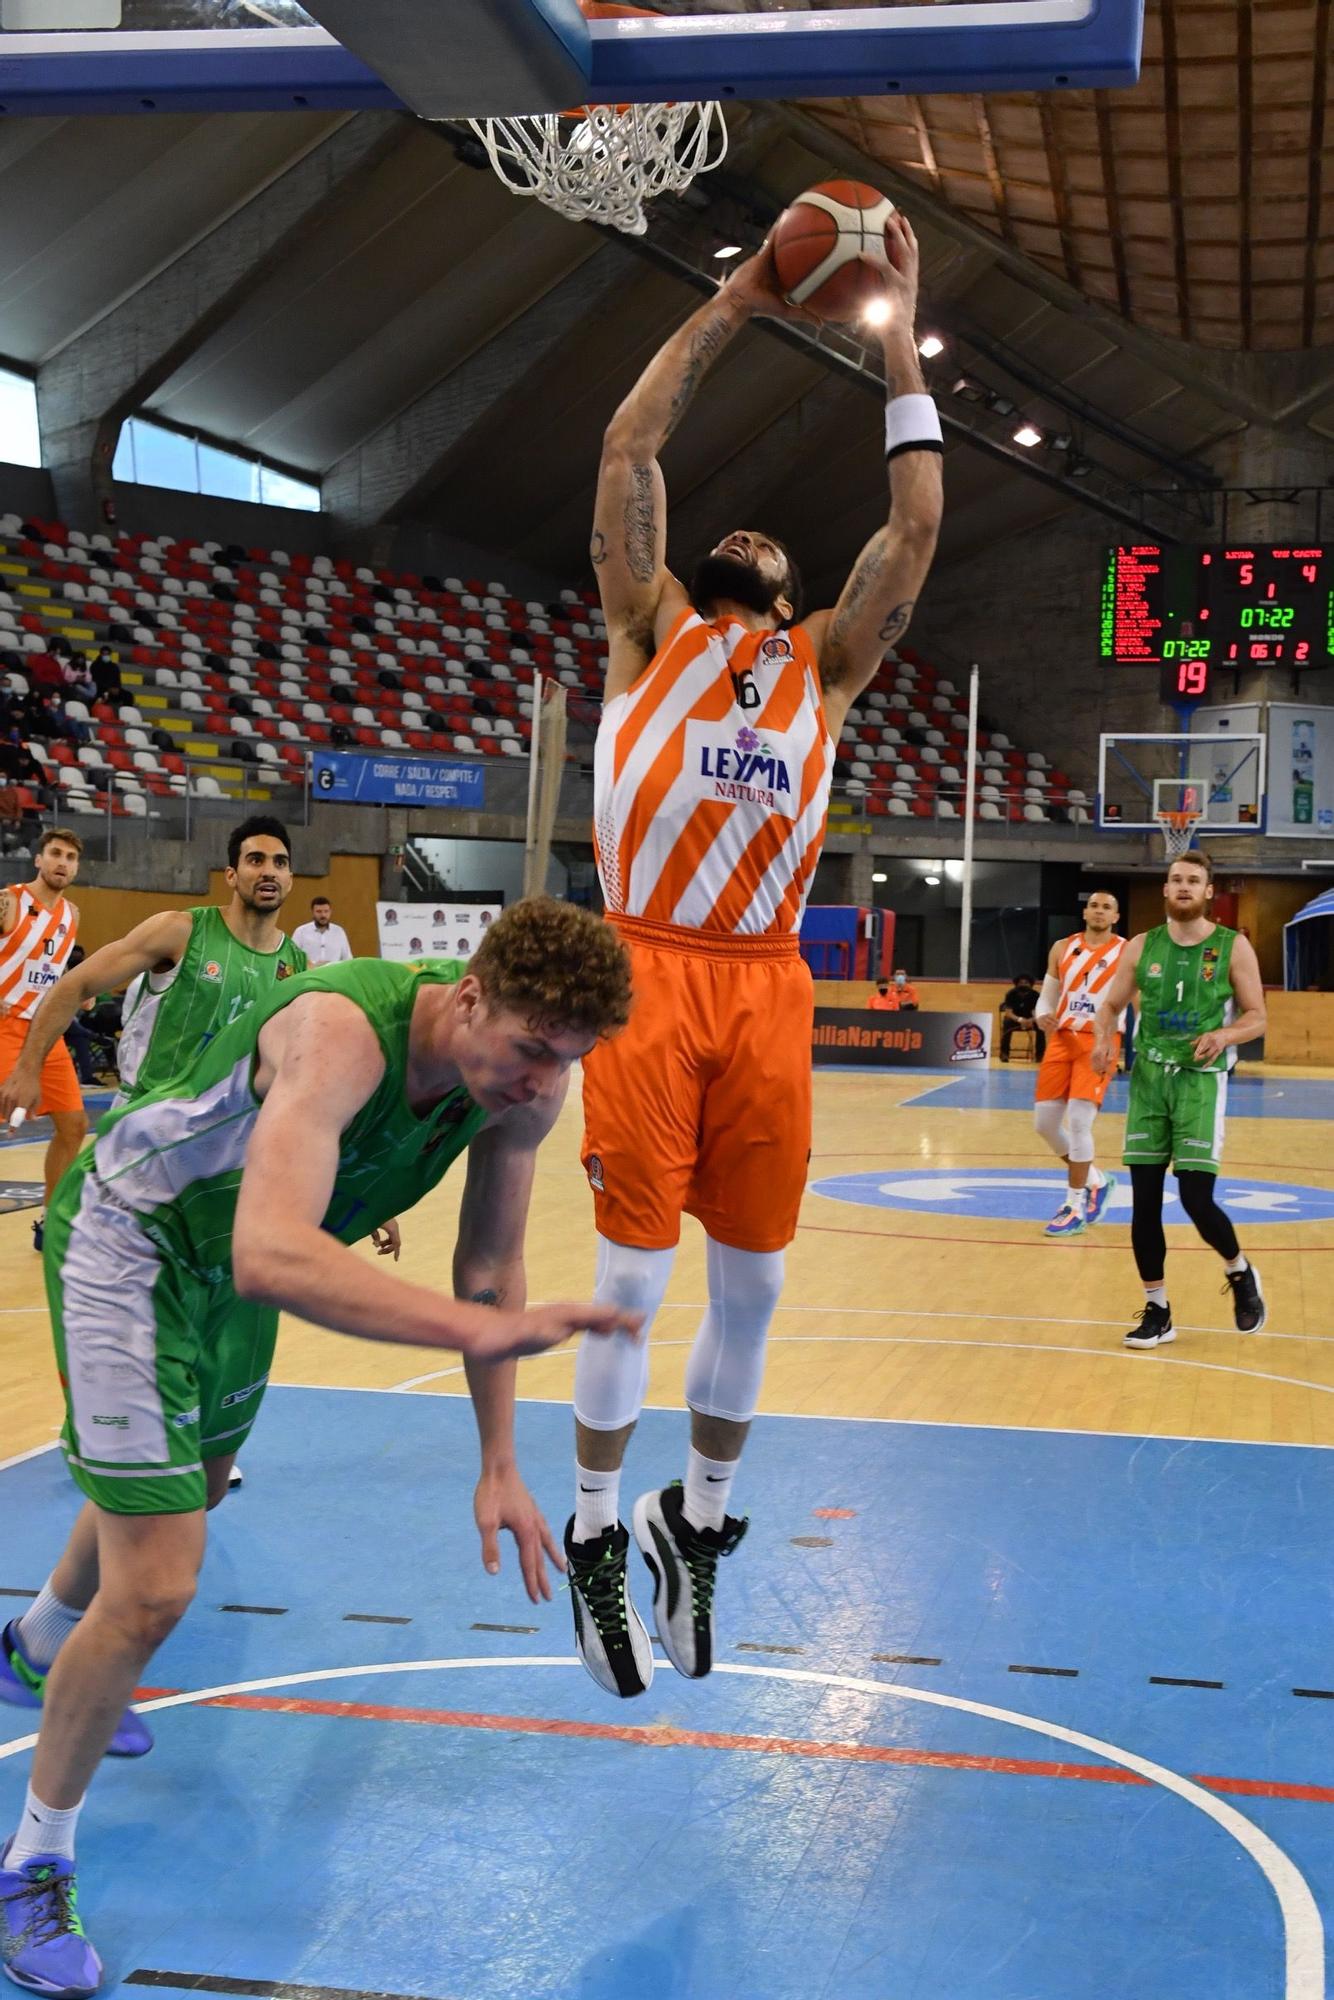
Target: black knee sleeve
{"type": "Point", "coordinates": [1146, 1223]}
{"type": "Point", "coordinates": [1213, 1223]}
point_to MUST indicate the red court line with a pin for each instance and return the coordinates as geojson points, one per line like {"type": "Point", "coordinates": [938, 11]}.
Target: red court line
{"type": "Point", "coordinates": [661, 1737]}
{"type": "Point", "coordinates": [1085, 1246]}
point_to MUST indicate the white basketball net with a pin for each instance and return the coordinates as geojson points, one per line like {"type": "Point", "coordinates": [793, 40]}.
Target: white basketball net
{"type": "Point", "coordinates": [602, 164]}
{"type": "Point", "coordinates": [1178, 830]}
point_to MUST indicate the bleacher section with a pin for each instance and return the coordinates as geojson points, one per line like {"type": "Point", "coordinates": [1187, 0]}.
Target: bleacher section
{"type": "Point", "coordinates": [249, 658]}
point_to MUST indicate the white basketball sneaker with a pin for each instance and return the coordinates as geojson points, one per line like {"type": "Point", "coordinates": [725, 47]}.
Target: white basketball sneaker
{"type": "Point", "coordinates": [684, 1564]}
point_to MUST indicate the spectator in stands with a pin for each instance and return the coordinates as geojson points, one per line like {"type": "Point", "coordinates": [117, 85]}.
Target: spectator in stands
{"type": "Point", "coordinates": [76, 678]}
{"type": "Point", "coordinates": [1017, 1010]}
{"type": "Point", "coordinates": [11, 815]}
{"type": "Point", "coordinates": [44, 670]}
{"type": "Point", "coordinates": [78, 1037]}
{"type": "Point", "coordinates": [905, 994]}
{"type": "Point", "coordinates": [105, 670]}
{"type": "Point", "coordinates": [17, 763]}
{"type": "Point", "coordinates": [883, 1000]}
{"type": "Point", "coordinates": [323, 941]}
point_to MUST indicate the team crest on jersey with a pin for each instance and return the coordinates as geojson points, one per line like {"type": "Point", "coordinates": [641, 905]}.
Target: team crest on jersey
{"type": "Point", "coordinates": [211, 970]}
{"type": "Point", "coordinates": [1209, 963]}
{"type": "Point", "coordinates": [1155, 971]}
{"type": "Point", "coordinates": [595, 1175]}
{"type": "Point", "coordinates": [775, 650]}
{"type": "Point", "coordinates": [284, 970]}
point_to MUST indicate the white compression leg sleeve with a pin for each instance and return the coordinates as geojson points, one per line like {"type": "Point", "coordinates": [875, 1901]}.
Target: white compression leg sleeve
{"type": "Point", "coordinates": [726, 1364]}
{"type": "Point", "coordinates": [1079, 1117]}
{"type": "Point", "coordinates": [611, 1370]}
{"type": "Point", "coordinates": [1050, 1119]}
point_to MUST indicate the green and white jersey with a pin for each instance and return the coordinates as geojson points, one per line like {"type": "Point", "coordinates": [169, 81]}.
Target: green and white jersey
{"type": "Point", "coordinates": [1185, 991]}
{"type": "Point", "coordinates": [168, 1017]}
{"type": "Point", "coordinates": [173, 1157]}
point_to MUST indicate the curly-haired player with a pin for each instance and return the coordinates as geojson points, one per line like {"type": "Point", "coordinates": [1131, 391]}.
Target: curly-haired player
{"type": "Point", "coordinates": [337, 1101]}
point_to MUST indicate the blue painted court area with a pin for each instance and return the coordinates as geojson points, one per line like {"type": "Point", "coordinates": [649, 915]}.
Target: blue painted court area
{"type": "Point", "coordinates": [1012, 1090]}
{"type": "Point", "coordinates": [790, 1829]}
{"type": "Point", "coordinates": [1030, 1194]}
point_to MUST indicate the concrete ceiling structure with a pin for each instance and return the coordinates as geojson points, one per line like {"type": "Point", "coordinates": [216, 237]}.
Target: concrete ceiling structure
{"type": "Point", "coordinates": [387, 317]}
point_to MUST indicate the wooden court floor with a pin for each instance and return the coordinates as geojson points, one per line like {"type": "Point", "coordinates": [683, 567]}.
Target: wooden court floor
{"type": "Point", "coordinates": [902, 1312]}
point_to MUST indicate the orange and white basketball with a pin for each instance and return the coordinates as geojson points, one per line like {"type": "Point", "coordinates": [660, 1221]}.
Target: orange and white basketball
{"type": "Point", "coordinates": [829, 248]}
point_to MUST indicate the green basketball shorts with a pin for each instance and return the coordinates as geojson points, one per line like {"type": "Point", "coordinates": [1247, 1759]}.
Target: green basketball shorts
{"type": "Point", "coordinates": [1176, 1116]}
{"type": "Point", "coordinates": [160, 1371]}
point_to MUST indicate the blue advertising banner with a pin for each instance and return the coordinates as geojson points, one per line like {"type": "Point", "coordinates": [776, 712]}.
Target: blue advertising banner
{"type": "Point", "coordinates": [394, 781]}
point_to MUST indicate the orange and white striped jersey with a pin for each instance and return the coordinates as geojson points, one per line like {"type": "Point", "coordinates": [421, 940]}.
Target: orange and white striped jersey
{"type": "Point", "coordinates": [1083, 974]}
{"type": "Point", "coordinates": [711, 781]}
{"type": "Point", "coordinates": [35, 953]}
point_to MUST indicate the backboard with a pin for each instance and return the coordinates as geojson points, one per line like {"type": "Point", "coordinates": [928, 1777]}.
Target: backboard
{"type": "Point", "coordinates": [544, 55]}
{"type": "Point", "coordinates": [1218, 773]}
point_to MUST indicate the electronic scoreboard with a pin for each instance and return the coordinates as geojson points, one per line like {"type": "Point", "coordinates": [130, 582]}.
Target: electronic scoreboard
{"type": "Point", "coordinates": [1192, 612]}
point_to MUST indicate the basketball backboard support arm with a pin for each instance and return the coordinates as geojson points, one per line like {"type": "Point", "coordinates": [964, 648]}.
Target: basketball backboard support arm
{"type": "Point", "coordinates": [459, 58]}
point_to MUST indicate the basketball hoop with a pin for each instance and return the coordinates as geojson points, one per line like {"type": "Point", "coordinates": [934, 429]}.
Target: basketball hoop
{"type": "Point", "coordinates": [1178, 830]}
{"type": "Point", "coordinates": [604, 162]}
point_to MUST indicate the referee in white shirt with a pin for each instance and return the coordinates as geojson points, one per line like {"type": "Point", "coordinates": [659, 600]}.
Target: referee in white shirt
{"type": "Point", "coordinates": [323, 941]}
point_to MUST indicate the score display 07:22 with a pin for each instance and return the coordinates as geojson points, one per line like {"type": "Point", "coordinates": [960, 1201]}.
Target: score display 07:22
{"type": "Point", "coordinates": [1190, 611]}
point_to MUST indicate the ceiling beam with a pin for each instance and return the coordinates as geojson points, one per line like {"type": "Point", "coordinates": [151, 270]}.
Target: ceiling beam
{"type": "Point", "coordinates": [1245, 121]}
{"type": "Point", "coordinates": [1060, 189]}
{"type": "Point", "coordinates": [1108, 153]}
{"type": "Point", "coordinates": [1315, 160]}
{"type": "Point", "coordinates": [1172, 109]}
{"type": "Point", "coordinates": [995, 180]}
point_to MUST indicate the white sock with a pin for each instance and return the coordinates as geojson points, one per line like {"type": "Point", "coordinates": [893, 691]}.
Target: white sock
{"type": "Point", "coordinates": [597, 1501]}
{"type": "Point", "coordinates": [42, 1830]}
{"type": "Point", "coordinates": [1096, 1177]}
{"type": "Point", "coordinates": [708, 1484]}
{"type": "Point", "coordinates": [45, 1626]}
{"type": "Point", "coordinates": [1157, 1295]}
{"type": "Point", "coordinates": [1075, 1198]}
{"type": "Point", "coordinates": [1235, 1264]}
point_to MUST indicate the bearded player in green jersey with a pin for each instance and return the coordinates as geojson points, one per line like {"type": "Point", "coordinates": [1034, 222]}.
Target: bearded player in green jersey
{"type": "Point", "coordinates": [338, 1100]}
{"type": "Point", "coordinates": [1196, 986]}
{"type": "Point", "coordinates": [196, 970]}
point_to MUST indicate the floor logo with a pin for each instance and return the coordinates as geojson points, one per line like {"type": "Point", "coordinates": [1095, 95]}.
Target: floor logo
{"type": "Point", "coordinates": [1007, 1194]}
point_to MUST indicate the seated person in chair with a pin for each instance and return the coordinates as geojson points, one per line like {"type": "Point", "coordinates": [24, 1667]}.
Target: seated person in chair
{"type": "Point", "coordinates": [1016, 1011]}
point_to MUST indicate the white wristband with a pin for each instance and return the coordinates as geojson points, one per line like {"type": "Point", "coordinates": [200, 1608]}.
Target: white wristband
{"type": "Point", "coordinates": [912, 423]}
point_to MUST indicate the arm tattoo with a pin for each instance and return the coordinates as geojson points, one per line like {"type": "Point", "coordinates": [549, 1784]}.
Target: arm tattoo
{"type": "Point", "coordinates": [706, 343]}
{"type": "Point", "coordinates": [597, 548]}
{"type": "Point", "coordinates": [897, 622]}
{"type": "Point", "coordinates": [486, 1297]}
{"type": "Point", "coordinates": [641, 528]}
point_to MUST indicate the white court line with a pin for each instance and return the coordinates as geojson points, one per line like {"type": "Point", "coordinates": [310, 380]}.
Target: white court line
{"type": "Point", "coordinates": [20, 1457]}
{"type": "Point", "coordinates": [938, 1340]}
{"type": "Point", "coordinates": [1303, 1932]}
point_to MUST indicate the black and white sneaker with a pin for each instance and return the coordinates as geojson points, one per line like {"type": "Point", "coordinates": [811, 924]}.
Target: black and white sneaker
{"type": "Point", "coordinates": [610, 1635]}
{"type": "Point", "coordinates": [1248, 1304]}
{"type": "Point", "coordinates": [684, 1563]}
{"type": "Point", "coordinates": [1153, 1328]}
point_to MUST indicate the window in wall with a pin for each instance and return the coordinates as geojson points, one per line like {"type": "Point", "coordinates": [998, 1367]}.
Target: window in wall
{"type": "Point", "coordinates": [20, 438]}
{"type": "Point", "coordinates": [150, 454]}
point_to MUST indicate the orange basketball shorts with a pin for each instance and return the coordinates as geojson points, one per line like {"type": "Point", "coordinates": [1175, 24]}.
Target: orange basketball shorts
{"type": "Point", "coordinates": [703, 1103]}
{"type": "Point", "coordinates": [60, 1083]}
{"type": "Point", "coordinates": [1067, 1068]}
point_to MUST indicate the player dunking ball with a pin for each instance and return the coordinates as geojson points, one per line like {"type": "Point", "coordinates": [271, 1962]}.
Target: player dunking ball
{"type": "Point", "coordinates": [712, 771]}
{"type": "Point", "coordinates": [337, 1100]}
{"type": "Point", "coordinates": [38, 925]}
{"type": "Point", "coordinates": [1070, 1091]}
{"type": "Point", "coordinates": [1189, 975]}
